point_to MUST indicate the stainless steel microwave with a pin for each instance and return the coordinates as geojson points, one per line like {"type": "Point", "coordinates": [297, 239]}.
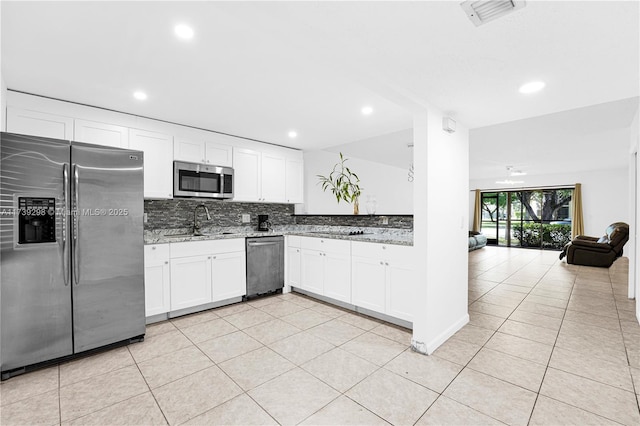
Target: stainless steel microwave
{"type": "Point", "coordinates": [202, 180]}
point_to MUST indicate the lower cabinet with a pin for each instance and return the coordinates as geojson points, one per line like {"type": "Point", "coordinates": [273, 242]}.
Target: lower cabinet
{"type": "Point", "coordinates": [228, 275]}
{"type": "Point", "coordinates": [190, 282]}
{"type": "Point", "coordinates": [326, 267]}
{"type": "Point", "coordinates": [293, 261]}
{"type": "Point", "coordinates": [157, 279]}
{"type": "Point", "coordinates": [368, 283]}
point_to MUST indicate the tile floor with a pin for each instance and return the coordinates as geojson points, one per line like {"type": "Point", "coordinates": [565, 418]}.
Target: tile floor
{"type": "Point", "coordinates": [548, 343]}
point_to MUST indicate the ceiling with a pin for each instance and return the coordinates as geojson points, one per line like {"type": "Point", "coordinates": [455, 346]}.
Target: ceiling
{"type": "Point", "coordinates": [261, 69]}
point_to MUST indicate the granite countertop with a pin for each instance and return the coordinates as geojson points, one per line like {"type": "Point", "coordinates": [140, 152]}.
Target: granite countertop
{"type": "Point", "coordinates": [371, 235]}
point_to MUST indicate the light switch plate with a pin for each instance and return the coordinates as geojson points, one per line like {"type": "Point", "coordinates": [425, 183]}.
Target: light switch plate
{"type": "Point", "coordinates": [246, 218]}
{"type": "Point", "coordinates": [145, 218]}
{"type": "Point", "coordinates": [384, 220]}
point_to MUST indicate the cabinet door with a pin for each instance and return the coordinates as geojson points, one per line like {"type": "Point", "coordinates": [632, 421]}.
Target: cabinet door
{"type": "Point", "coordinates": [190, 151]}
{"type": "Point", "coordinates": [228, 275]}
{"type": "Point", "coordinates": [157, 288]}
{"type": "Point", "coordinates": [190, 282]}
{"type": "Point", "coordinates": [368, 283]}
{"type": "Point", "coordinates": [293, 266]}
{"type": "Point", "coordinates": [294, 176]}
{"type": "Point", "coordinates": [158, 161]}
{"type": "Point", "coordinates": [312, 276]}
{"type": "Point", "coordinates": [39, 124]}
{"type": "Point", "coordinates": [400, 290]}
{"type": "Point", "coordinates": [219, 154]}
{"type": "Point", "coordinates": [97, 133]}
{"type": "Point", "coordinates": [273, 178]}
{"type": "Point", "coordinates": [337, 276]}
{"type": "Point", "coordinates": [246, 165]}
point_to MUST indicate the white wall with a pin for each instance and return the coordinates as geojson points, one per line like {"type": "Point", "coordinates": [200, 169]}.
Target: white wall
{"type": "Point", "coordinates": [634, 210]}
{"type": "Point", "coordinates": [605, 195]}
{"type": "Point", "coordinates": [389, 185]}
{"type": "Point", "coordinates": [3, 105]}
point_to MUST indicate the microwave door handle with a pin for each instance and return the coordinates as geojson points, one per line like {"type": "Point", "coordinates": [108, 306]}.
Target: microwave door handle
{"type": "Point", "coordinates": [65, 247]}
{"type": "Point", "coordinates": [76, 225]}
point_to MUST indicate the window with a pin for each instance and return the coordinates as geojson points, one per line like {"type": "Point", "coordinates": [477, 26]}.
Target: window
{"type": "Point", "coordinates": [539, 218]}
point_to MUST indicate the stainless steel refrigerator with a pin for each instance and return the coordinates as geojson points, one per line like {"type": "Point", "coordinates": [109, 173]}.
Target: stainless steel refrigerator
{"type": "Point", "coordinates": [71, 249]}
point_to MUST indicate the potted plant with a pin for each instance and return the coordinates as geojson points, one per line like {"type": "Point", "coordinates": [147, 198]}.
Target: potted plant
{"type": "Point", "coordinates": [343, 183]}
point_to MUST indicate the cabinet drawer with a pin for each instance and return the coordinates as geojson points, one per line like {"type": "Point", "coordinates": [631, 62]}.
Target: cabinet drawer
{"type": "Point", "coordinates": [293, 241]}
{"type": "Point", "coordinates": [201, 248]}
{"type": "Point", "coordinates": [389, 252]}
{"type": "Point", "coordinates": [326, 245]}
{"type": "Point", "coordinates": [156, 252]}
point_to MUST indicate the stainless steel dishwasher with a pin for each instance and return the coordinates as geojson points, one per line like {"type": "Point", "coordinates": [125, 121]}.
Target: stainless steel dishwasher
{"type": "Point", "coordinates": [265, 265]}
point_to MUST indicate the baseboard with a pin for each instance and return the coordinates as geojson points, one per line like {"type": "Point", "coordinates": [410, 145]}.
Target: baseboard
{"type": "Point", "coordinates": [428, 348]}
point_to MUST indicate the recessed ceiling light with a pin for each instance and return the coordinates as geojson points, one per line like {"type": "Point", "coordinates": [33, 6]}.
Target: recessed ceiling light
{"type": "Point", "coordinates": [531, 87]}
{"type": "Point", "coordinates": [139, 95]}
{"type": "Point", "coordinates": [292, 134]}
{"type": "Point", "coordinates": [367, 110]}
{"type": "Point", "coordinates": [183, 31]}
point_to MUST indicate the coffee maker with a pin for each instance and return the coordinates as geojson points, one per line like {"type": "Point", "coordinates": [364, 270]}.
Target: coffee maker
{"type": "Point", "coordinates": [263, 222]}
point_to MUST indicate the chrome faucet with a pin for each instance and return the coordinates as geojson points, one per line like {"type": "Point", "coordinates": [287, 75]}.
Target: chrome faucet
{"type": "Point", "coordinates": [196, 225]}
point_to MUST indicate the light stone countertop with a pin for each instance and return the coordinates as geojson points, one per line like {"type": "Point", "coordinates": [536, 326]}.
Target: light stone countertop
{"type": "Point", "coordinates": [372, 235]}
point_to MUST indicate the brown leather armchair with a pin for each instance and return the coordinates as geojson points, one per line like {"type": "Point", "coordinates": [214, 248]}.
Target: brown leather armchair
{"type": "Point", "coordinates": [592, 251]}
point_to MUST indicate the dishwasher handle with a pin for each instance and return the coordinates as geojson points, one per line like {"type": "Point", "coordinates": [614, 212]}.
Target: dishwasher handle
{"type": "Point", "coordinates": [252, 244]}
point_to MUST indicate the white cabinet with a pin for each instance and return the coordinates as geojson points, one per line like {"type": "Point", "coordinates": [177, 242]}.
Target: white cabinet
{"type": "Point", "coordinates": [205, 152]}
{"type": "Point", "coordinates": [272, 178]}
{"type": "Point", "coordinates": [246, 175]}
{"type": "Point", "coordinates": [294, 177]}
{"type": "Point", "coordinates": [158, 161]}
{"type": "Point", "coordinates": [190, 281]}
{"type": "Point", "coordinates": [229, 277]}
{"type": "Point", "coordinates": [36, 123]}
{"type": "Point", "coordinates": [382, 278]}
{"type": "Point", "coordinates": [293, 261]}
{"type": "Point", "coordinates": [326, 267]}
{"type": "Point", "coordinates": [100, 133]}
{"type": "Point", "coordinates": [157, 279]}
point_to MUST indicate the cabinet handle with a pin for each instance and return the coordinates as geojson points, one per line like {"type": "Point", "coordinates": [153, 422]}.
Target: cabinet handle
{"type": "Point", "coordinates": [298, 251]}
{"type": "Point", "coordinates": [214, 257]}
{"type": "Point", "coordinates": [153, 248]}
{"type": "Point", "coordinates": [386, 264]}
{"type": "Point", "coordinates": [384, 248]}
{"type": "Point", "coordinates": [166, 262]}
{"type": "Point", "coordinates": [381, 262]}
{"type": "Point", "coordinates": [209, 258]}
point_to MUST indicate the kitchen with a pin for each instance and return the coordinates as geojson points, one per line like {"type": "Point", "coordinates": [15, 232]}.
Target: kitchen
{"type": "Point", "coordinates": [343, 285]}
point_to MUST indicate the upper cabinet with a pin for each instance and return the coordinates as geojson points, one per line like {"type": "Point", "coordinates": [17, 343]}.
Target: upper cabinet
{"type": "Point", "coordinates": [246, 175]}
{"type": "Point", "coordinates": [273, 178]}
{"type": "Point", "coordinates": [158, 161]}
{"type": "Point", "coordinates": [101, 134]}
{"type": "Point", "coordinates": [37, 123]}
{"type": "Point", "coordinates": [205, 152]}
{"type": "Point", "coordinates": [294, 177]}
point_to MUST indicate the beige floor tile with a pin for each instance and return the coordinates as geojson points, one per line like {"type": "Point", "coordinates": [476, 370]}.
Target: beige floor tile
{"type": "Point", "coordinates": [594, 348]}
{"type": "Point", "coordinates": [591, 319]}
{"type": "Point", "coordinates": [193, 319]}
{"type": "Point", "coordinates": [208, 330]}
{"type": "Point", "coordinates": [95, 393]}
{"type": "Point", "coordinates": [544, 300]}
{"type": "Point", "coordinates": [159, 328]}
{"type": "Point", "coordinates": [139, 410]}
{"type": "Point", "coordinates": [281, 308]}
{"type": "Point", "coordinates": [405, 405]}
{"type": "Point", "coordinates": [456, 350]}
{"type": "Point", "coordinates": [256, 367]}
{"type": "Point", "coordinates": [592, 396]}
{"type": "Point", "coordinates": [551, 412]}
{"type": "Point", "coordinates": [485, 321]}
{"type": "Point", "coordinates": [563, 294]}
{"type": "Point", "coordinates": [499, 300]}
{"type": "Point", "coordinates": [344, 411]}
{"type": "Point", "coordinates": [240, 411]}
{"type": "Point", "coordinates": [28, 385]}
{"type": "Point", "coordinates": [301, 347]}
{"type": "Point", "coordinates": [429, 371]}
{"type": "Point", "coordinates": [330, 311]}
{"type": "Point", "coordinates": [517, 371]}
{"type": "Point", "coordinates": [514, 288]}
{"type": "Point", "coordinates": [522, 348]}
{"type": "Point", "coordinates": [507, 293]}
{"type": "Point", "coordinates": [635, 375]}
{"type": "Point", "coordinates": [309, 394]}
{"type": "Point", "coordinates": [339, 369]}
{"type": "Point", "coordinates": [361, 321]}
{"type": "Point", "coordinates": [42, 409]}
{"type": "Point", "coordinates": [498, 399]}
{"type": "Point", "coordinates": [191, 396]}
{"type": "Point", "coordinates": [264, 301]}
{"type": "Point", "coordinates": [472, 296]}
{"type": "Point", "coordinates": [446, 411]}
{"type": "Point", "coordinates": [472, 334]}
{"type": "Point", "coordinates": [376, 349]}
{"type": "Point", "coordinates": [225, 311]}
{"type": "Point", "coordinates": [229, 346]}
{"type": "Point", "coordinates": [394, 332]}
{"type": "Point", "coordinates": [95, 365]}
{"type": "Point", "coordinates": [489, 309]}
{"type": "Point", "coordinates": [585, 365]}
{"type": "Point", "coordinates": [306, 319]}
{"type": "Point", "coordinates": [537, 320]}
{"type": "Point", "coordinates": [304, 301]}
{"type": "Point", "coordinates": [159, 345]}
{"type": "Point", "coordinates": [528, 331]}
{"type": "Point", "coordinates": [336, 332]}
{"type": "Point", "coordinates": [536, 308]}
{"type": "Point", "coordinates": [271, 331]}
{"type": "Point", "coordinates": [176, 365]}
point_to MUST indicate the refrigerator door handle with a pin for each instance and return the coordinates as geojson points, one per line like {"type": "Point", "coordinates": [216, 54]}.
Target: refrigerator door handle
{"type": "Point", "coordinates": [65, 247]}
{"type": "Point", "coordinates": [76, 225]}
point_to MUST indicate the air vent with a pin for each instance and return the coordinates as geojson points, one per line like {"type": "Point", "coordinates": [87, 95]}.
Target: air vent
{"type": "Point", "coordinates": [482, 11]}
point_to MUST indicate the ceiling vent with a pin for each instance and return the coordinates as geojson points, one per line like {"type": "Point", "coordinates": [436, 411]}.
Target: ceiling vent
{"type": "Point", "coordinates": [482, 11]}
